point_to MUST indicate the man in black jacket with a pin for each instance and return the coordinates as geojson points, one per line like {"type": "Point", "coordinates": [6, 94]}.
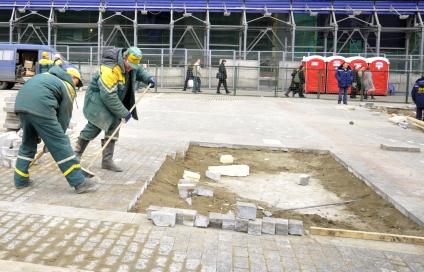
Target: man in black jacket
{"type": "Point", "coordinates": [222, 77]}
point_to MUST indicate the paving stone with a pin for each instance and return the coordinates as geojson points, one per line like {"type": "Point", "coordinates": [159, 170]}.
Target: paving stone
{"type": "Point", "coordinates": [204, 191]}
{"type": "Point", "coordinates": [400, 148]}
{"type": "Point", "coordinates": [255, 227]}
{"type": "Point", "coordinates": [281, 226]}
{"type": "Point", "coordinates": [226, 159]}
{"type": "Point", "coordinates": [213, 176]}
{"type": "Point", "coordinates": [295, 227]}
{"type": "Point", "coordinates": [183, 193]}
{"type": "Point", "coordinates": [215, 219]}
{"type": "Point", "coordinates": [228, 222]}
{"type": "Point", "coordinates": [304, 179]}
{"type": "Point", "coordinates": [246, 210]}
{"type": "Point", "coordinates": [268, 225]}
{"type": "Point", "coordinates": [163, 218]}
{"type": "Point", "coordinates": [241, 224]}
{"type": "Point", "coordinates": [231, 170]}
{"type": "Point", "coordinates": [191, 175]}
{"type": "Point", "coordinates": [150, 209]}
{"type": "Point", "coordinates": [189, 216]}
{"type": "Point", "coordinates": [201, 221]}
{"type": "Point", "coordinates": [186, 186]}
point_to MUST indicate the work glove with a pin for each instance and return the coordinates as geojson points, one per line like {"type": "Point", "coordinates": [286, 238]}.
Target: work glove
{"type": "Point", "coordinates": [152, 82]}
{"type": "Point", "coordinates": [127, 117]}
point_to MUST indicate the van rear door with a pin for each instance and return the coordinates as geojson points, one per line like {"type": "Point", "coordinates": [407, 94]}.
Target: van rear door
{"type": "Point", "coordinates": [7, 65]}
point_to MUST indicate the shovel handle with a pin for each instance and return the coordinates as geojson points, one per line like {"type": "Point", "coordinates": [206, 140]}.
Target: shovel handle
{"type": "Point", "coordinates": [117, 129]}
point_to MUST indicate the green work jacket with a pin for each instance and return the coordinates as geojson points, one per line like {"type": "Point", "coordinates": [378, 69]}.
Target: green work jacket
{"type": "Point", "coordinates": [49, 95]}
{"type": "Point", "coordinates": [111, 92]}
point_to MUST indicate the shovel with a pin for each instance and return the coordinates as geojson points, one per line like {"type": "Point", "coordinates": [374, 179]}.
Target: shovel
{"type": "Point", "coordinates": [86, 171]}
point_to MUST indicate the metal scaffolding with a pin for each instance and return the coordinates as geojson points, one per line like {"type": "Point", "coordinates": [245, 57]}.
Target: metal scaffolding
{"type": "Point", "coordinates": [20, 24]}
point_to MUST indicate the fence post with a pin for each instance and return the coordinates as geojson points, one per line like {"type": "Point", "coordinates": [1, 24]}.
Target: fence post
{"type": "Point", "coordinates": [91, 60]}
{"type": "Point", "coordinates": [161, 68]}
{"type": "Point", "coordinates": [259, 69]}
{"type": "Point", "coordinates": [156, 76]}
{"type": "Point", "coordinates": [67, 52]}
{"type": "Point", "coordinates": [408, 79]}
{"type": "Point", "coordinates": [236, 79]}
{"type": "Point", "coordinates": [319, 84]}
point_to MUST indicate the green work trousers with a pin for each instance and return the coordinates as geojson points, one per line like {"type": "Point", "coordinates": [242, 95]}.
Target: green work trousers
{"type": "Point", "coordinates": [56, 141]}
{"type": "Point", "coordinates": [90, 131]}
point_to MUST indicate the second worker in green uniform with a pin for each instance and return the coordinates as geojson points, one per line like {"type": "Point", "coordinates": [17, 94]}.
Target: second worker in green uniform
{"type": "Point", "coordinates": [109, 97]}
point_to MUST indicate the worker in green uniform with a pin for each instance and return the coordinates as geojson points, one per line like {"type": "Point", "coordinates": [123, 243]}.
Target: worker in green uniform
{"type": "Point", "coordinates": [109, 97]}
{"type": "Point", "coordinates": [45, 63]}
{"type": "Point", "coordinates": [44, 106]}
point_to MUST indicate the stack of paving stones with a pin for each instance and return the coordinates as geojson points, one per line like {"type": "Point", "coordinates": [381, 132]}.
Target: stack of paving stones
{"type": "Point", "coordinates": [189, 186]}
{"type": "Point", "coordinates": [12, 121]}
{"type": "Point", "coordinates": [243, 221]}
{"type": "Point", "coordinates": [9, 148]}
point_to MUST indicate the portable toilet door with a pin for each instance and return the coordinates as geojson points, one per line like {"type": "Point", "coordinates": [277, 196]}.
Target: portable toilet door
{"type": "Point", "coordinates": [379, 67]}
{"type": "Point", "coordinates": [314, 68]}
{"type": "Point", "coordinates": [333, 63]}
{"type": "Point", "coordinates": [357, 62]}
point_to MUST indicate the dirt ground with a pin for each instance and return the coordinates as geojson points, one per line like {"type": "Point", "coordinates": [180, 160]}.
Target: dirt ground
{"type": "Point", "coordinates": [398, 111]}
{"type": "Point", "coordinates": [373, 212]}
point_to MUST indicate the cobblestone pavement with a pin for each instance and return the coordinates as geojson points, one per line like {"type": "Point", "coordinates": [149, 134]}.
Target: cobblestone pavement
{"type": "Point", "coordinates": [95, 244]}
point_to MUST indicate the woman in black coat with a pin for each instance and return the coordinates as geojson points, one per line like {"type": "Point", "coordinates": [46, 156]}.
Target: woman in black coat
{"type": "Point", "coordinates": [222, 77]}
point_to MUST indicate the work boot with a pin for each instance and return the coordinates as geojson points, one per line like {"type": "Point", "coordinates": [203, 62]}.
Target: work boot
{"type": "Point", "coordinates": [87, 186]}
{"type": "Point", "coordinates": [30, 183]}
{"type": "Point", "coordinates": [107, 160]}
{"type": "Point", "coordinates": [80, 147]}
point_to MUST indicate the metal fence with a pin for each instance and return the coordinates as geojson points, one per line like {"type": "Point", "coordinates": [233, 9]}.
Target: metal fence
{"type": "Point", "coordinates": [263, 73]}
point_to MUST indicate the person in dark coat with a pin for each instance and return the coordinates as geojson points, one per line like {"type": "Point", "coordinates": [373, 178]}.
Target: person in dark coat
{"type": "Point", "coordinates": [356, 84]}
{"type": "Point", "coordinates": [418, 97]}
{"type": "Point", "coordinates": [222, 77]}
{"type": "Point", "coordinates": [297, 82]}
{"type": "Point", "coordinates": [189, 75]}
{"type": "Point", "coordinates": [344, 78]}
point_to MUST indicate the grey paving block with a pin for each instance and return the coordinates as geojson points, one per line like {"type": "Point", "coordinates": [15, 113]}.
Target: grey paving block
{"type": "Point", "coordinates": [255, 227]}
{"type": "Point", "coordinates": [228, 222]}
{"type": "Point", "coordinates": [304, 179]}
{"type": "Point", "coordinates": [189, 216]}
{"type": "Point", "coordinates": [246, 210]}
{"type": "Point", "coordinates": [400, 148]}
{"type": "Point", "coordinates": [241, 224]}
{"type": "Point", "coordinates": [296, 227]}
{"type": "Point", "coordinates": [268, 225]}
{"type": "Point", "coordinates": [164, 218]}
{"type": "Point", "coordinates": [204, 191]}
{"type": "Point", "coordinates": [215, 219]}
{"type": "Point", "coordinates": [201, 221]}
{"type": "Point", "coordinates": [281, 226]}
{"type": "Point", "coordinates": [213, 176]}
{"type": "Point", "coordinates": [150, 209]}
{"type": "Point", "coordinates": [183, 193]}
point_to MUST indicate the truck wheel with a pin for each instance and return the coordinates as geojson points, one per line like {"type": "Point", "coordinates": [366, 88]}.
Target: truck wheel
{"type": "Point", "coordinates": [3, 85]}
{"type": "Point", "coordinates": [10, 85]}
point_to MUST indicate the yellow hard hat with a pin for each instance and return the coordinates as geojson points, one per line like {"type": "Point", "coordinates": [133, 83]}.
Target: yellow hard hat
{"type": "Point", "coordinates": [45, 54]}
{"type": "Point", "coordinates": [76, 73]}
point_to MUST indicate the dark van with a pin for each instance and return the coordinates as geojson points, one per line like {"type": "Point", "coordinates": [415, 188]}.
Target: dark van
{"type": "Point", "coordinates": [18, 62]}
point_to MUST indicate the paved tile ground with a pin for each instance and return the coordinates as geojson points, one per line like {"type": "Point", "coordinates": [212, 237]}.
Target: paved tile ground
{"type": "Point", "coordinates": [78, 239]}
{"type": "Point", "coordinates": [53, 238]}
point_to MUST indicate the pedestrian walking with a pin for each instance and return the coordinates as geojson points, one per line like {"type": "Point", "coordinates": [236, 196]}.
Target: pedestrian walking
{"type": "Point", "coordinates": [189, 76]}
{"type": "Point", "coordinates": [344, 78]}
{"type": "Point", "coordinates": [222, 77]}
{"type": "Point", "coordinates": [109, 97]}
{"type": "Point", "coordinates": [197, 73]}
{"type": "Point", "coordinates": [57, 59]}
{"type": "Point", "coordinates": [356, 84]}
{"type": "Point", "coordinates": [44, 107]}
{"type": "Point", "coordinates": [45, 63]}
{"type": "Point", "coordinates": [418, 97]}
{"type": "Point", "coordinates": [297, 82]}
{"type": "Point", "coordinates": [368, 83]}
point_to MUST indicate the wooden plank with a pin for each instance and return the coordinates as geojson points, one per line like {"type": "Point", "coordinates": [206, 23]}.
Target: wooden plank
{"type": "Point", "coordinates": [377, 236]}
{"type": "Point", "coordinates": [415, 122]}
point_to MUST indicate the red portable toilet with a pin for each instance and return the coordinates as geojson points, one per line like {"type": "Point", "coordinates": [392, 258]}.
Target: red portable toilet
{"type": "Point", "coordinates": [314, 67]}
{"type": "Point", "coordinates": [357, 62]}
{"type": "Point", "coordinates": [379, 67]}
{"type": "Point", "coordinates": [333, 63]}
